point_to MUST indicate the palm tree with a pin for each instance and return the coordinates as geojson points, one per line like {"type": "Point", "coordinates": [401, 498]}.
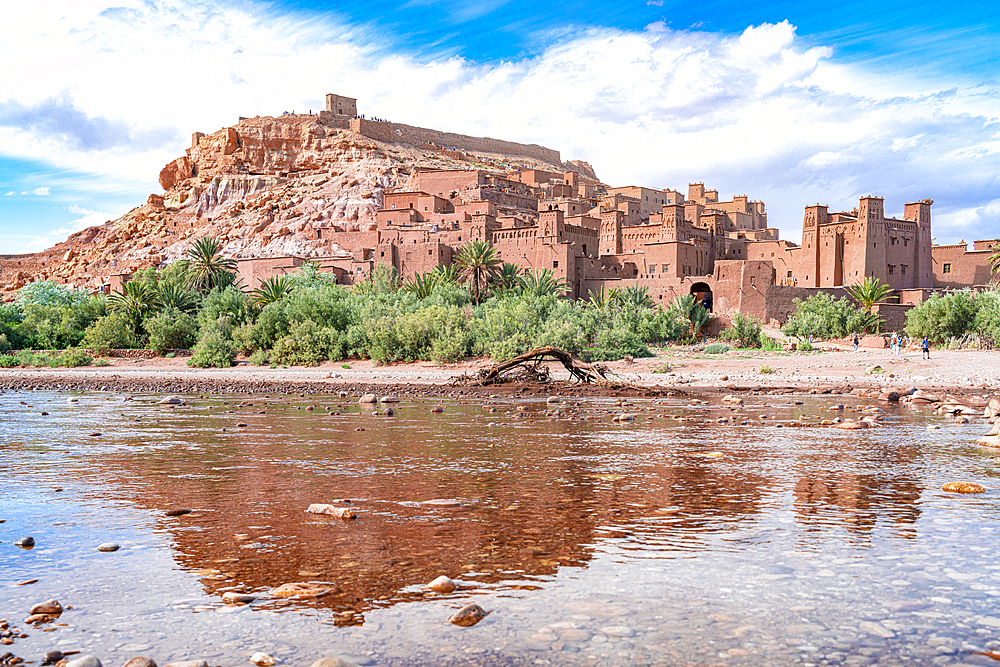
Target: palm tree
{"type": "Point", "coordinates": [692, 313]}
{"type": "Point", "coordinates": [422, 284]}
{"type": "Point", "coordinates": [175, 296]}
{"type": "Point", "coordinates": [508, 277]}
{"type": "Point", "coordinates": [601, 300]}
{"type": "Point", "coordinates": [447, 273]}
{"type": "Point", "coordinates": [868, 292]}
{"type": "Point", "coordinates": [632, 297]}
{"type": "Point", "coordinates": [542, 282]}
{"type": "Point", "coordinates": [477, 265]}
{"type": "Point", "coordinates": [272, 290]}
{"type": "Point", "coordinates": [208, 268]}
{"type": "Point", "coordinates": [136, 299]}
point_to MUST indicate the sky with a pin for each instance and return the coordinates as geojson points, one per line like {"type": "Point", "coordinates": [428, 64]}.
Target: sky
{"type": "Point", "coordinates": [791, 103]}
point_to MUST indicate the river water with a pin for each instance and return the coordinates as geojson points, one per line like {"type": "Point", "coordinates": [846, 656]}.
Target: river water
{"type": "Point", "coordinates": [672, 539]}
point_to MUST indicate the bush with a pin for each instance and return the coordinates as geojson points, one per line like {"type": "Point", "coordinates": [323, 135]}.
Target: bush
{"type": "Point", "coordinates": [716, 348]}
{"type": "Point", "coordinates": [745, 332]}
{"type": "Point", "coordinates": [825, 316]}
{"type": "Point", "coordinates": [953, 314]}
{"type": "Point", "coordinates": [111, 332]}
{"type": "Point", "coordinates": [769, 344]}
{"type": "Point", "coordinates": [260, 358]}
{"type": "Point", "coordinates": [73, 358]}
{"type": "Point", "coordinates": [7, 361]}
{"type": "Point", "coordinates": [170, 329]}
{"type": "Point", "coordinates": [766, 370]}
{"type": "Point", "coordinates": [306, 344]}
{"type": "Point", "coordinates": [215, 346]}
{"type": "Point", "coordinates": [804, 345]}
{"type": "Point", "coordinates": [57, 326]}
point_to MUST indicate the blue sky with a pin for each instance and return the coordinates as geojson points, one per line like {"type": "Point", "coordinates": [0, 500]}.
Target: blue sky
{"type": "Point", "coordinates": [792, 103]}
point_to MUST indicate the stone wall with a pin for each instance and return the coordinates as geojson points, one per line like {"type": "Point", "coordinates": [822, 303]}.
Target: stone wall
{"type": "Point", "coordinates": [419, 136]}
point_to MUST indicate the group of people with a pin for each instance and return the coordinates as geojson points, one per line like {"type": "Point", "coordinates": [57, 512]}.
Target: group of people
{"type": "Point", "coordinates": [896, 344]}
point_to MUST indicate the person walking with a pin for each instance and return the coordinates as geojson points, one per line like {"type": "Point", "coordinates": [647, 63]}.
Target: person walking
{"type": "Point", "coordinates": [856, 341]}
{"type": "Point", "coordinates": [926, 346]}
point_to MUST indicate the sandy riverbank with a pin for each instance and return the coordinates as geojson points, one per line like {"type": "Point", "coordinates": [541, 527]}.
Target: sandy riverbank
{"type": "Point", "coordinates": [834, 367]}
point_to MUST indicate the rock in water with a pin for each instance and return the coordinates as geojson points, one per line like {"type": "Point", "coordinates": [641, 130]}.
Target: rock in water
{"type": "Point", "coordinates": [47, 607]}
{"type": "Point", "coordinates": [170, 400]}
{"type": "Point", "coordinates": [368, 398]}
{"type": "Point", "coordinates": [108, 547]}
{"type": "Point", "coordinates": [180, 511]}
{"type": "Point", "coordinates": [438, 409]}
{"type": "Point", "coordinates": [468, 615]}
{"type": "Point", "coordinates": [442, 502]}
{"type": "Point", "coordinates": [85, 661]}
{"type": "Point", "coordinates": [140, 661]}
{"type": "Point", "coordinates": [25, 542]}
{"type": "Point", "coordinates": [262, 660]}
{"type": "Point", "coordinates": [442, 585]}
{"type": "Point", "coordinates": [299, 590]}
{"type": "Point", "coordinates": [238, 598]}
{"type": "Point", "coordinates": [389, 399]}
{"type": "Point", "coordinates": [333, 662]}
{"type": "Point", "coordinates": [38, 618]}
{"type": "Point", "coordinates": [53, 657]}
{"type": "Point", "coordinates": [963, 487]}
{"type": "Point", "coordinates": [332, 510]}
{"type": "Point", "coordinates": [187, 663]}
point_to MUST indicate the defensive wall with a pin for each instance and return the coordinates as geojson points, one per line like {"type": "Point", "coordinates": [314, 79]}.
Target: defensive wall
{"type": "Point", "coordinates": [419, 136]}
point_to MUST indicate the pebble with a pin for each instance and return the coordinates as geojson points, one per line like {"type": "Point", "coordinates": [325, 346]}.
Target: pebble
{"type": "Point", "coordinates": [438, 409]}
{"type": "Point", "coordinates": [38, 618]}
{"type": "Point", "coordinates": [299, 590]}
{"type": "Point", "coordinates": [170, 400]}
{"type": "Point", "coordinates": [187, 663]}
{"type": "Point", "coordinates": [51, 657]}
{"type": "Point", "coordinates": [368, 398]}
{"type": "Point", "coordinates": [963, 487]}
{"type": "Point", "coordinates": [876, 629]}
{"type": "Point", "coordinates": [25, 542]}
{"type": "Point", "coordinates": [140, 661]}
{"type": "Point", "coordinates": [180, 511]}
{"type": "Point", "coordinates": [238, 598]}
{"type": "Point", "coordinates": [339, 512]}
{"type": "Point", "coordinates": [468, 615]}
{"type": "Point", "coordinates": [388, 399]}
{"type": "Point", "coordinates": [108, 547]}
{"type": "Point", "coordinates": [442, 585]}
{"type": "Point", "coordinates": [47, 607]}
{"type": "Point", "coordinates": [262, 659]}
{"type": "Point", "coordinates": [442, 502]}
{"type": "Point", "coordinates": [333, 662]}
{"type": "Point", "coordinates": [86, 661]}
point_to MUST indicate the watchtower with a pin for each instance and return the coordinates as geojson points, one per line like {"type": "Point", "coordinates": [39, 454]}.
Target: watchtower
{"type": "Point", "coordinates": [342, 106]}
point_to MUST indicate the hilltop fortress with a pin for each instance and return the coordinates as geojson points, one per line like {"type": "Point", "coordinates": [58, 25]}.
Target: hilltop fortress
{"type": "Point", "coordinates": [354, 194]}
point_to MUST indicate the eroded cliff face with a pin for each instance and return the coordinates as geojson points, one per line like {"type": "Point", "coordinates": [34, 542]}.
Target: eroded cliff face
{"type": "Point", "coordinates": [262, 187]}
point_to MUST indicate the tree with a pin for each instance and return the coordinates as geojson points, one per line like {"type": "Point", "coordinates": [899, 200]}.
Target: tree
{"type": "Point", "coordinates": [272, 290]}
{"type": "Point", "coordinates": [867, 293]}
{"type": "Point", "coordinates": [208, 268]}
{"type": "Point", "coordinates": [508, 277]}
{"type": "Point", "coordinates": [478, 264]}
{"type": "Point", "coordinates": [542, 282]}
{"type": "Point", "coordinates": [448, 273]}
{"type": "Point", "coordinates": [172, 295]}
{"type": "Point", "coordinates": [136, 299]}
{"type": "Point", "coordinates": [421, 285]}
{"type": "Point", "coordinates": [691, 312]}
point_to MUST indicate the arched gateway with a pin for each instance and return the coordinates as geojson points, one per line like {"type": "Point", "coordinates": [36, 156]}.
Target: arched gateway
{"type": "Point", "coordinates": [703, 295]}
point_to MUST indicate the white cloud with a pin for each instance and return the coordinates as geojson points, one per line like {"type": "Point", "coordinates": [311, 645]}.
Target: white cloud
{"type": "Point", "coordinates": [115, 91]}
{"type": "Point", "coordinates": [9, 194]}
{"type": "Point", "coordinates": [41, 192]}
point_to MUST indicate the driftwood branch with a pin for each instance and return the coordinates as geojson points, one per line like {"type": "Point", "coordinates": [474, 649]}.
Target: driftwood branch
{"type": "Point", "coordinates": [529, 367]}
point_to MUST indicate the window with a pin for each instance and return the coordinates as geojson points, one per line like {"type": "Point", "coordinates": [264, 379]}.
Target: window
{"type": "Point", "coordinates": [946, 268]}
{"type": "Point", "coordinates": [789, 274]}
{"type": "Point", "coordinates": [902, 270]}
{"type": "Point", "coordinates": [430, 251]}
{"type": "Point", "coordinates": [555, 265]}
{"type": "Point", "coordinates": [891, 269]}
{"type": "Point", "coordinates": [906, 242]}
{"type": "Point", "coordinates": [383, 253]}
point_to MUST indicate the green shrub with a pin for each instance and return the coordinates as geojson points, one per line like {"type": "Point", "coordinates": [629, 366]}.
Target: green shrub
{"type": "Point", "coordinates": [215, 346]}
{"type": "Point", "coordinates": [954, 314]}
{"type": "Point", "coordinates": [766, 370]}
{"type": "Point", "coordinates": [56, 327]}
{"type": "Point", "coordinates": [7, 361]}
{"type": "Point", "coordinates": [260, 358]}
{"type": "Point", "coordinates": [745, 332]}
{"type": "Point", "coordinates": [170, 329]}
{"type": "Point", "coordinates": [769, 344]}
{"type": "Point", "coordinates": [716, 348]}
{"type": "Point", "coordinates": [804, 345]}
{"type": "Point", "coordinates": [825, 316]}
{"type": "Point", "coordinates": [72, 359]}
{"type": "Point", "coordinates": [306, 344]}
{"type": "Point", "coordinates": [111, 332]}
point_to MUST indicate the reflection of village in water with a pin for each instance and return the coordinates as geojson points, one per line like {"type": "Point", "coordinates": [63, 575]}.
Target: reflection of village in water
{"type": "Point", "coordinates": [536, 494]}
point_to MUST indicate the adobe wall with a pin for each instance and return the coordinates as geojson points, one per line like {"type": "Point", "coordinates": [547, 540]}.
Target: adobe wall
{"type": "Point", "coordinates": [964, 268]}
{"type": "Point", "coordinates": [893, 315]}
{"type": "Point", "coordinates": [416, 136]}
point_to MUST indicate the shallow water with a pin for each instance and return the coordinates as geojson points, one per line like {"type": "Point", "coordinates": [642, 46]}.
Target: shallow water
{"type": "Point", "coordinates": [590, 542]}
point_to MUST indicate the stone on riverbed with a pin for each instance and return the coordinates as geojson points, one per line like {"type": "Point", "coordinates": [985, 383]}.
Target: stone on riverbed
{"type": "Point", "coordinates": [170, 400]}
{"type": "Point", "coordinates": [333, 662]}
{"type": "Point", "coordinates": [332, 510]}
{"type": "Point", "coordinates": [25, 542]}
{"type": "Point", "coordinates": [108, 547]}
{"type": "Point", "coordinates": [47, 607]}
{"type": "Point", "coordinates": [442, 585]}
{"type": "Point", "coordinates": [989, 440]}
{"type": "Point", "coordinates": [52, 657]}
{"type": "Point", "coordinates": [38, 618]}
{"type": "Point", "coordinates": [468, 615]}
{"type": "Point", "coordinates": [442, 502]}
{"type": "Point", "coordinates": [140, 661]}
{"type": "Point", "coordinates": [262, 659]}
{"type": "Point", "coordinates": [368, 398]}
{"type": "Point", "coordinates": [388, 399]}
{"type": "Point", "coordinates": [180, 511]}
{"type": "Point", "coordinates": [187, 663]}
{"type": "Point", "coordinates": [963, 487]}
{"type": "Point", "coordinates": [238, 598]}
{"type": "Point", "coordinates": [86, 661]}
{"type": "Point", "coordinates": [299, 590]}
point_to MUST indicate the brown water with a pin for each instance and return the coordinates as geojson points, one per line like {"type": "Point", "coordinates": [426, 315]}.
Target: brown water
{"type": "Point", "coordinates": [652, 542]}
